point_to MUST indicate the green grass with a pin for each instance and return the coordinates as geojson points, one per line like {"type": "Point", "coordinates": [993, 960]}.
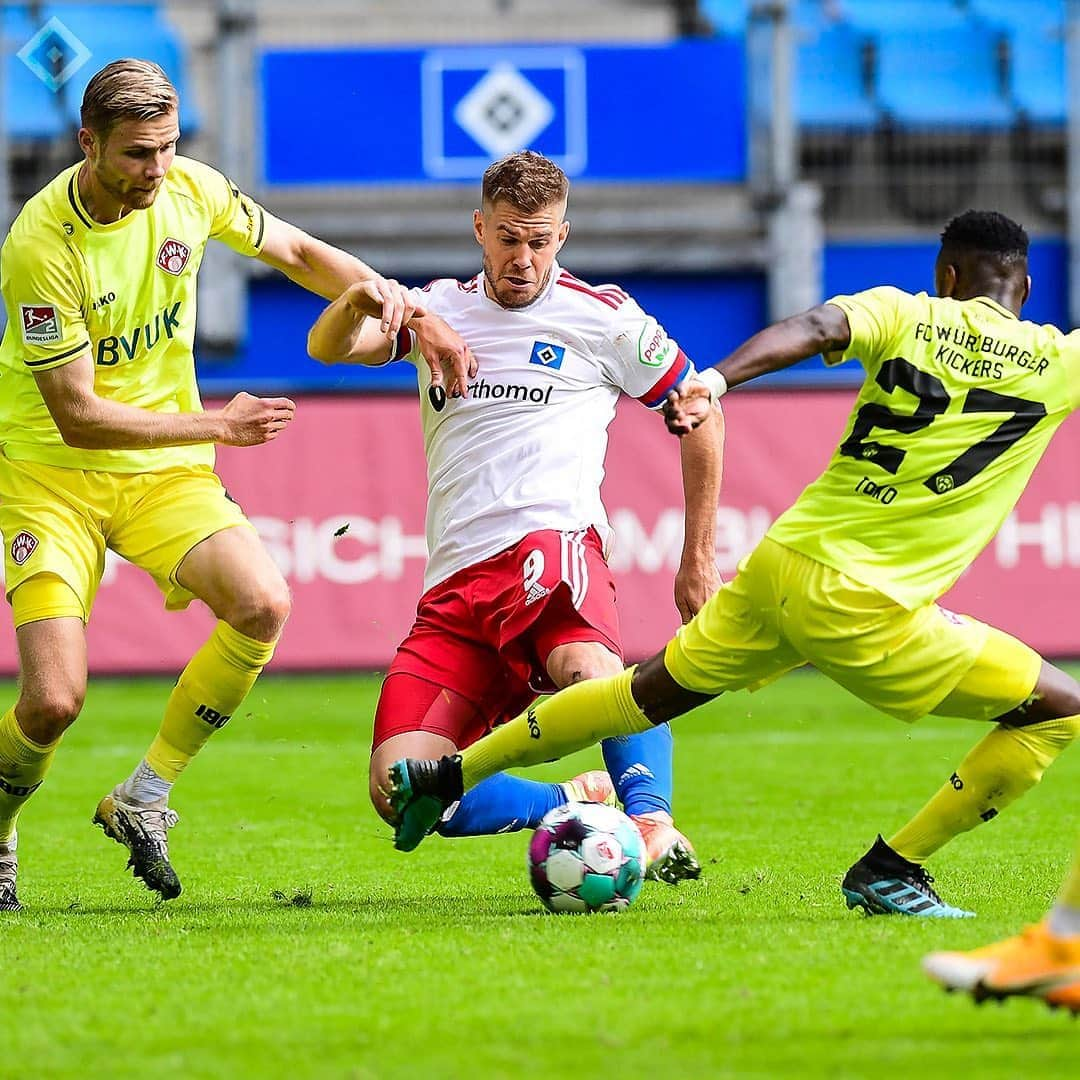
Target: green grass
{"type": "Point", "coordinates": [305, 946]}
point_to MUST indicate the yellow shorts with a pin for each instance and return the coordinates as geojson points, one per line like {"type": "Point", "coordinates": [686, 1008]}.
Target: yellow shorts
{"type": "Point", "coordinates": [60, 521]}
{"type": "Point", "coordinates": [784, 609]}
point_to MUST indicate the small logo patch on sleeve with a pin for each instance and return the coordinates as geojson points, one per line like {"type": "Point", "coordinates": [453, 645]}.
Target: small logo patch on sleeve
{"type": "Point", "coordinates": [40, 324]}
{"type": "Point", "coordinates": [173, 256]}
{"type": "Point", "coordinates": [23, 545]}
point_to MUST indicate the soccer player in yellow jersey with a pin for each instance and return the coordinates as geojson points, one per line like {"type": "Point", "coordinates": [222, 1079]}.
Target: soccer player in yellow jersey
{"type": "Point", "coordinates": [960, 399]}
{"type": "Point", "coordinates": [1042, 962]}
{"type": "Point", "coordinates": [104, 442]}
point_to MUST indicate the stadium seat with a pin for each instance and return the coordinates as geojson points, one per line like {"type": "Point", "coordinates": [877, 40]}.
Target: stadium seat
{"type": "Point", "coordinates": [880, 16]}
{"type": "Point", "coordinates": [830, 89]}
{"type": "Point", "coordinates": [32, 110]}
{"type": "Point", "coordinates": [726, 16]}
{"type": "Point", "coordinates": [1020, 14]}
{"type": "Point", "coordinates": [1037, 74]}
{"type": "Point", "coordinates": [925, 80]}
{"type": "Point", "coordinates": [113, 32]}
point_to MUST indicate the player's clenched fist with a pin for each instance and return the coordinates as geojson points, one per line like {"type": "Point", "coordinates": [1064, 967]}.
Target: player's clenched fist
{"type": "Point", "coordinates": [687, 406]}
{"type": "Point", "coordinates": [250, 420]}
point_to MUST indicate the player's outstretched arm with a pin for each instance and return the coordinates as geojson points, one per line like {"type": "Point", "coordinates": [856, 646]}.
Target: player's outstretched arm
{"type": "Point", "coordinates": [349, 330]}
{"type": "Point", "coordinates": [90, 422]}
{"type": "Point", "coordinates": [346, 332]}
{"type": "Point", "coordinates": [328, 271]}
{"type": "Point", "coordinates": [702, 456]}
{"type": "Point", "coordinates": [822, 329]}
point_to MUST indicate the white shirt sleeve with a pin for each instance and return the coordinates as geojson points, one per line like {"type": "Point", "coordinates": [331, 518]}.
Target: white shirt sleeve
{"type": "Point", "coordinates": [646, 363]}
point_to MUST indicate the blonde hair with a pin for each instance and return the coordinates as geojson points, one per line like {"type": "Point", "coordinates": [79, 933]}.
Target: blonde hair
{"type": "Point", "coordinates": [526, 180]}
{"type": "Point", "coordinates": [127, 89]}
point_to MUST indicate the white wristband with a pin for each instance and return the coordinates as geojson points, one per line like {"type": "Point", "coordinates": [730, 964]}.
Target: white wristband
{"type": "Point", "coordinates": [714, 381]}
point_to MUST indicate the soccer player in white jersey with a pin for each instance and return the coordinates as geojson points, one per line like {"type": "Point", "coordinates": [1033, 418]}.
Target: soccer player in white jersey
{"type": "Point", "coordinates": [105, 444]}
{"type": "Point", "coordinates": [518, 596]}
{"type": "Point", "coordinates": [960, 399]}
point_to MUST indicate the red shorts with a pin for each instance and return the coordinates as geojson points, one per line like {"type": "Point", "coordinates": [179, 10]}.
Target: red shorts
{"type": "Point", "coordinates": [487, 631]}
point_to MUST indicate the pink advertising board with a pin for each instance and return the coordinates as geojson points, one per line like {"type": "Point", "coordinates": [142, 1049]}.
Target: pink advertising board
{"type": "Point", "coordinates": [339, 501]}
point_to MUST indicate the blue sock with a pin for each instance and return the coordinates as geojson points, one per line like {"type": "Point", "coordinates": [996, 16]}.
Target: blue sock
{"type": "Point", "coordinates": [640, 768]}
{"type": "Point", "coordinates": [502, 803]}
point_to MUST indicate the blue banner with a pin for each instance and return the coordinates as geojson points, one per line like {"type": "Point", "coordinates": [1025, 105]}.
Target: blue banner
{"type": "Point", "coordinates": [649, 112]}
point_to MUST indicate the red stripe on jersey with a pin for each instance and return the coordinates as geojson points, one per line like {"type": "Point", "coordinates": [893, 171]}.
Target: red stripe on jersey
{"type": "Point", "coordinates": [612, 292]}
{"type": "Point", "coordinates": [402, 345]}
{"type": "Point", "coordinates": [577, 286]}
{"type": "Point", "coordinates": [678, 371]}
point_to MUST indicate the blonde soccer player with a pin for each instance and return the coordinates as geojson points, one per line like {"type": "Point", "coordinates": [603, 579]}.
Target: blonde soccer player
{"type": "Point", "coordinates": [104, 443]}
{"type": "Point", "coordinates": [960, 399]}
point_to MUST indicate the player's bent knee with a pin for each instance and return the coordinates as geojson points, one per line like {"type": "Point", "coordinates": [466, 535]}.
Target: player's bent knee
{"type": "Point", "coordinates": [1056, 696]}
{"type": "Point", "coordinates": [376, 783]}
{"type": "Point", "coordinates": [45, 716]}
{"type": "Point", "coordinates": [264, 614]}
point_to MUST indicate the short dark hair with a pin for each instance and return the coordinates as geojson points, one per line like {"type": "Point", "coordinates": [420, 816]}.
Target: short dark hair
{"type": "Point", "coordinates": [526, 180]}
{"type": "Point", "coordinates": [986, 232]}
{"type": "Point", "coordinates": [128, 89]}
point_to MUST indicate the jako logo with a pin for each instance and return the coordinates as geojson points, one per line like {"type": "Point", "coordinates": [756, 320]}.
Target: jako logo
{"type": "Point", "coordinates": [534, 724]}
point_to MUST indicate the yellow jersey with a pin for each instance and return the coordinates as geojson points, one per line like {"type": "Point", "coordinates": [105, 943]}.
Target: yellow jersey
{"type": "Point", "coordinates": [122, 291]}
{"type": "Point", "coordinates": [959, 402]}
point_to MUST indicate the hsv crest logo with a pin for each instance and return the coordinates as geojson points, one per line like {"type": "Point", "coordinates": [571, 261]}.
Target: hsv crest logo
{"type": "Point", "coordinates": [40, 324]}
{"type": "Point", "coordinates": [172, 256]}
{"type": "Point", "coordinates": [23, 545]}
{"type": "Point", "coordinates": [547, 355]}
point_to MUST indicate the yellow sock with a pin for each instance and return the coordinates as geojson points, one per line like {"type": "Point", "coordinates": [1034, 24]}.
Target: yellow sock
{"type": "Point", "coordinates": [570, 720]}
{"type": "Point", "coordinates": [996, 772]}
{"type": "Point", "coordinates": [207, 693]}
{"type": "Point", "coordinates": [23, 765]}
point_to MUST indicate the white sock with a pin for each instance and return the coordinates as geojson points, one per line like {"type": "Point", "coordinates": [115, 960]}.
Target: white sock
{"type": "Point", "coordinates": [145, 786]}
{"type": "Point", "coordinates": [1064, 921]}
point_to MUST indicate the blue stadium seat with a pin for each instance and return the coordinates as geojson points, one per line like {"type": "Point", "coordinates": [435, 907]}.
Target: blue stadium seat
{"type": "Point", "coordinates": [113, 32]}
{"type": "Point", "coordinates": [726, 16]}
{"type": "Point", "coordinates": [33, 111]}
{"type": "Point", "coordinates": [829, 89]}
{"type": "Point", "coordinates": [1037, 74]}
{"type": "Point", "coordinates": [882, 16]}
{"type": "Point", "coordinates": [925, 79]}
{"type": "Point", "coordinates": [1020, 14]}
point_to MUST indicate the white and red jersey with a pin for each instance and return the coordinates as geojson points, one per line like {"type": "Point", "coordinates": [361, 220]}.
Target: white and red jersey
{"type": "Point", "coordinates": [524, 449]}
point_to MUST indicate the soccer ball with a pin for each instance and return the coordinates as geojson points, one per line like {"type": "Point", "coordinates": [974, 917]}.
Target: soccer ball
{"type": "Point", "coordinates": [586, 857]}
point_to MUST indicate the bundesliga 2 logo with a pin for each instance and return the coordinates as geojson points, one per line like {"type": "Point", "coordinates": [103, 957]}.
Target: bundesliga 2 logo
{"type": "Point", "coordinates": [173, 256]}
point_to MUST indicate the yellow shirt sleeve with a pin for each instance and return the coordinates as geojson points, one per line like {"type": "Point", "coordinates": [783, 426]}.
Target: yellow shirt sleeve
{"type": "Point", "coordinates": [1070, 356]}
{"type": "Point", "coordinates": [43, 296]}
{"type": "Point", "coordinates": [873, 317]}
{"type": "Point", "coordinates": [236, 219]}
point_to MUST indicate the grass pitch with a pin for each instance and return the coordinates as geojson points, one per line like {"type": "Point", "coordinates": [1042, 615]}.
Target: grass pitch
{"type": "Point", "coordinates": [305, 946]}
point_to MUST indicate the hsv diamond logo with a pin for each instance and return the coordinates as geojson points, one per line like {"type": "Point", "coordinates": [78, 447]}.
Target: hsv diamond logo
{"type": "Point", "coordinates": [172, 256]}
{"type": "Point", "coordinates": [547, 355]}
{"type": "Point", "coordinates": [478, 104]}
{"type": "Point", "coordinates": [53, 54]}
{"type": "Point", "coordinates": [40, 324]}
{"type": "Point", "coordinates": [23, 546]}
